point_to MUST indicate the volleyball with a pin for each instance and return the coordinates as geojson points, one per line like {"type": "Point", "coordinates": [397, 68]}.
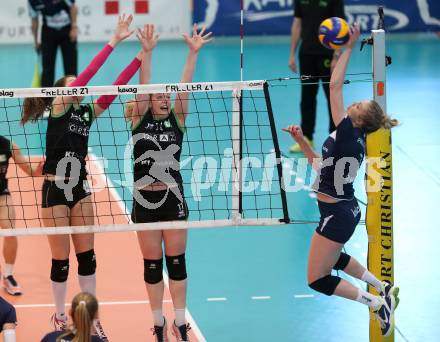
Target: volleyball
{"type": "Point", "coordinates": [334, 33]}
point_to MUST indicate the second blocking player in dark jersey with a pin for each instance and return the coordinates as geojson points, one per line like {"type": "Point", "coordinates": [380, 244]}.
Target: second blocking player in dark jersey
{"type": "Point", "coordinates": [157, 134]}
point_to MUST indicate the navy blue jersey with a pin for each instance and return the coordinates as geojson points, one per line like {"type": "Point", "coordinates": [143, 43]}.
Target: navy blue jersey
{"type": "Point", "coordinates": [342, 154]}
{"type": "Point", "coordinates": [7, 313]}
{"type": "Point", "coordinates": [156, 151]}
{"type": "Point", "coordinates": [5, 154]}
{"type": "Point", "coordinates": [52, 337]}
{"type": "Point", "coordinates": [67, 137]}
{"type": "Point", "coordinates": [56, 13]}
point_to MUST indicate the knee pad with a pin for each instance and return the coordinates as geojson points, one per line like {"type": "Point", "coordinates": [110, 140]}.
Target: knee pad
{"type": "Point", "coordinates": [326, 285]}
{"type": "Point", "coordinates": [86, 263]}
{"type": "Point", "coordinates": [342, 262]}
{"type": "Point", "coordinates": [59, 270]}
{"type": "Point", "coordinates": [153, 271]}
{"type": "Point", "coordinates": [176, 267]}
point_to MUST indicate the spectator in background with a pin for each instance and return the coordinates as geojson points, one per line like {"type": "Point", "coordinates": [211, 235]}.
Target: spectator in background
{"type": "Point", "coordinates": [314, 59]}
{"type": "Point", "coordinates": [84, 311]}
{"type": "Point", "coordinates": [59, 30]}
{"type": "Point", "coordinates": [8, 321]}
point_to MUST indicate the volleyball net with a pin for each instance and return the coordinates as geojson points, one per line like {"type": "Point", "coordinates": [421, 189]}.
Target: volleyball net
{"type": "Point", "coordinates": [230, 160]}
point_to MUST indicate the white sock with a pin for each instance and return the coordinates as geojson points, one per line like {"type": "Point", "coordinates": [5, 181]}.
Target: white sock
{"type": "Point", "coordinates": [88, 283]}
{"type": "Point", "coordinates": [372, 280]}
{"type": "Point", "coordinates": [179, 317]}
{"type": "Point", "coordinates": [158, 318]}
{"type": "Point", "coordinates": [369, 299]}
{"type": "Point", "coordinates": [59, 293]}
{"type": "Point", "coordinates": [9, 335]}
{"type": "Point", "coordinates": [9, 268]}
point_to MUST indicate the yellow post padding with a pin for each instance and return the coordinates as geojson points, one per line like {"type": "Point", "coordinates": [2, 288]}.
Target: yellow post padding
{"type": "Point", "coordinates": [379, 220]}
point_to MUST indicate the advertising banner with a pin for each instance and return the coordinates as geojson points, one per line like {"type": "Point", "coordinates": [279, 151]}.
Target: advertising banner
{"type": "Point", "coordinates": [274, 17]}
{"type": "Point", "coordinates": [97, 18]}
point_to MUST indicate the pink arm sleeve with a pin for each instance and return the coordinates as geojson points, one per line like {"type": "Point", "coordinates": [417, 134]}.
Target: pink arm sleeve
{"type": "Point", "coordinates": [93, 67]}
{"type": "Point", "coordinates": [105, 101]}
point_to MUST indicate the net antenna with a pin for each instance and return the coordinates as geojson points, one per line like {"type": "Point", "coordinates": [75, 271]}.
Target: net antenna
{"type": "Point", "coordinates": [380, 26]}
{"type": "Point", "coordinates": [241, 38]}
{"type": "Point", "coordinates": [238, 123]}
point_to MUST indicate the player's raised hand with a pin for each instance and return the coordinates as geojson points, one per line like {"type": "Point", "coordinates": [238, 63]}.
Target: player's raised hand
{"type": "Point", "coordinates": [147, 37]}
{"type": "Point", "coordinates": [198, 39]}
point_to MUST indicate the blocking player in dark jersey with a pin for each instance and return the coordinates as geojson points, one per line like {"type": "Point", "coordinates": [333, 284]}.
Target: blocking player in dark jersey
{"type": "Point", "coordinates": [9, 150]}
{"type": "Point", "coordinates": [342, 154]}
{"type": "Point", "coordinates": [157, 133]}
{"type": "Point", "coordinates": [66, 197]}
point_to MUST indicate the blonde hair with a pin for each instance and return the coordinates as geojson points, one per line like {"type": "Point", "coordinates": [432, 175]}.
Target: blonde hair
{"type": "Point", "coordinates": [83, 311]}
{"type": "Point", "coordinates": [375, 118]}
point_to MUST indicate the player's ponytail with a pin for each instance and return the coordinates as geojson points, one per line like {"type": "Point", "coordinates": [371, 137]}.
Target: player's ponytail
{"type": "Point", "coordinates": [83, 312]}
{"type": "Point", "coordinates": [388, 122]}
{"type": "Point", "coordinates": [34, 107]}
{"type": "Point", "coordinates": [376, 118]}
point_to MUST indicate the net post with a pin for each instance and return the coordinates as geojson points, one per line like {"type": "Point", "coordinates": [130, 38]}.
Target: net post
{"type": "Point", "coordinates": [236, 160]}
{"type": "Point", "coordinates": [379, 217]}
{"type": "Point", "coordinates": [276, 145]}
{"type": "Point", "coordinates": [379, 66]}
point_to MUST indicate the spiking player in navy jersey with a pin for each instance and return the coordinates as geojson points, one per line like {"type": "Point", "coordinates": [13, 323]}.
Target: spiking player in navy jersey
{"type": "Point", "coordinates": [342, 154]}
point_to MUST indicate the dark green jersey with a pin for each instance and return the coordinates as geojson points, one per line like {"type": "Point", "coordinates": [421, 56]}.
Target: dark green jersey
{"type": "Point", "coordinates": [67, 140]}
{"type": "Point", "coordinates": [157, 145]}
